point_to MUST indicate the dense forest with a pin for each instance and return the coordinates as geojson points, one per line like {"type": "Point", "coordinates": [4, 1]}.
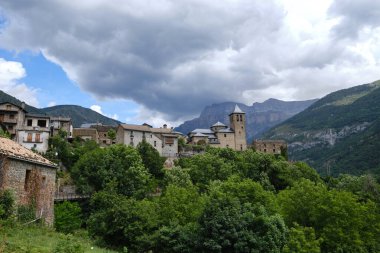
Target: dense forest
{"type": "Point", "coordinates": [217, 201]}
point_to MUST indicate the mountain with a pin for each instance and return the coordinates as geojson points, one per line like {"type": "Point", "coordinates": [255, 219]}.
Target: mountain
{"type": "Point", "coordinates": [4, 97]}
{"type": "Point", "coordinates": [79, 115]}
{"type": "Point", "coordinates": [340, 133]}
{"type": "Point", "coordinates": [260, 116]}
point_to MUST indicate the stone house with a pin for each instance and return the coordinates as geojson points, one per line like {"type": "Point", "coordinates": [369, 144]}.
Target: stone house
{"type": "Point", "coordinates": [164, 140]}
{"type": "Point", "coordinates": [29, 176]}
{"type": "Point", "coordinates": [220, 135]}
{"type": "Point", "coordinates": [35, 132]}
{"type": "Point", "coordinates": [12, 117]}
{"type": "Point", "coordinates": [269, 146]}
{"type": "Point", "coordinates": [61, 124]}
{"type": "Point", "coordinates": [86, 133]}
{"type": "Point", "coordinates": [103, 138]}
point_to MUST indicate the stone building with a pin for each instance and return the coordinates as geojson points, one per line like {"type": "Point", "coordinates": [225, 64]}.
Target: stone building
{"type": "Point", "coordinates": [220, 135]}
{"type": "Point", "coordinates": [61, 124]}
{"type": "Point", "coordinates": [270, 146]}
{"type": "Point", "coordinates": [86, 133]}
{"type": "Point", "coordinates": [12, 117]}
{"type": "Point", "coordinates": [164, 139]}
{"type": "Point", "coordinates": [29, 176]}
{"type": "Point", "coordinates": [34, 133]}
{"type": "Point", "coordinates": [103, 139]}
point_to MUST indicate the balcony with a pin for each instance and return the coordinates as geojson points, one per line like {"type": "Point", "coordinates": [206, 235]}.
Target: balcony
{"type": "Point", "coordinates": [28, 140]}
{"type": "Point", "coordinates": [9, 121]}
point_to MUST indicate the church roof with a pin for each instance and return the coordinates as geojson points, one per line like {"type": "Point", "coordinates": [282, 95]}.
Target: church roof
{"type": "Point", "coordinates": [203, 131]}
{"type": "Point", "coordinates": [199, 135]}
{"type": "Point", "coordinates": [217, 124]}
{"type": "Point", "coordinates": [237, 109]}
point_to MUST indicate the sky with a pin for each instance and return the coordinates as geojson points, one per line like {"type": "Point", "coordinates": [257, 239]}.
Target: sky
{"type": "Point", "coordinates": [163, 61]}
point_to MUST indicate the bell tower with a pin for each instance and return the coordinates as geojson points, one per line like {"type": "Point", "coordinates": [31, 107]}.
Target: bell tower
{"type": "Point", "coordinates": [238, 124]}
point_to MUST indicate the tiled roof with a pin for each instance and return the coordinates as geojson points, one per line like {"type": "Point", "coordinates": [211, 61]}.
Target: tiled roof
{"type": "Point", "coordinates": [136, 127]}
{"type": "Point", "coordinates": [218, 124]}
{"type": "Point", "coordinates": [227, 130]}
{"type": "Point", "coordinates": [199, 135]}
{"type": "Point", "coordinates": [203, 131]}
{"type": "Point", "coordinates": [12, 149]}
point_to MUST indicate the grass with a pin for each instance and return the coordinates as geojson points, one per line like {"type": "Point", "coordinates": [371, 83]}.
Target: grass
{"type": "Point", "coordinates": [38, 239]}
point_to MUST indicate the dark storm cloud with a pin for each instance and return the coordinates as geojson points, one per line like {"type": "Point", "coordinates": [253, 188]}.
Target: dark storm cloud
{"type": "Point", "coordinates": [175, 57]}
{"type": "Point", "coordinates": [355, 15]}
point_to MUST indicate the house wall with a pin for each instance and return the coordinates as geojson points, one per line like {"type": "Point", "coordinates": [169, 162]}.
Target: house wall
{"type": "Point", "coordinates": [170, 150]}
{"type": "Point", "coordinates": [228, 141]}
{"type": "Point", "coordinates": [134, 137]}
{"type": "Point", "coordinates": [40, 146]}
{"type": "Point", "coordinates": [237, 121]}
{"type": "Point", "coordinates": [271, 147]}
{"type": "Point", "coordinates": [36, 186]}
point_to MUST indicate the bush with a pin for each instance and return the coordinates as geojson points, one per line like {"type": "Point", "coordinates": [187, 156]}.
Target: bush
{"type": "Point", "coordinates": [67, 217]}
{"type": "Point", "coordinates": [26, 213]}
{"type": "Point", "coordinates": [6, 204]}
{"type": "Point", "coordinates": [68, 245]}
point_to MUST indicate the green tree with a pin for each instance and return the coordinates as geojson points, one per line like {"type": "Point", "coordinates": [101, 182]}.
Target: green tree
{"type": "Point", "coordinates": [4, 133]}
{"type": "Point", "coordinates": [177, 176]}
{"type": "Point", "coordinates": [123, 222]}
{"type": "Point", "coordinates": [7, 202]}
{"type": "Point", "coordinates": [151, 159]}
{"type": "Point", "coordinates": [119, 164]}
{"type": "Point", "coordinates": [302, 240]}
{"type": "Point", "coordinates": [230, 226]}
{"type": "Point", "coordinates": [67, 217]}
{"type": "Point", "coordinates": [342, 222]}
{"type": "Point", "coordinates": [111, 134]}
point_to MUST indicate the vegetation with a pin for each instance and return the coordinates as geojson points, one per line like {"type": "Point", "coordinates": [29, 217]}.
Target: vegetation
{"type": "Point", "coordinates": [67, 217]}
{"type": "Point", "coordinates": [354, 153]}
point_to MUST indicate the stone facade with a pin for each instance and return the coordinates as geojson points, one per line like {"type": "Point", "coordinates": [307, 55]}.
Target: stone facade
{"type": "Point", "coordinates": [12, 117]}
{"type": "Point", "coordinates": [164, 139]}
{"type": "Point", "coordinates": [86, 133]}
{"type": "Point", "coordinates": [220, 135]}
{"type": "Point", "coordinates": [61, 124]}
{"type": "Point", "coordinates": [30, 177]}
{"type": "Point", "coordinates": [269, 146]}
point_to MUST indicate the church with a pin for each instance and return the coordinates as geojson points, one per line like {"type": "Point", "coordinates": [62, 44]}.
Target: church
{"type": "Point", "coordinates": [222, 136]}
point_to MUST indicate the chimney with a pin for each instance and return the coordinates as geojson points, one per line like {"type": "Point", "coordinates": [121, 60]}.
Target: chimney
{"type": "Point", "coordinates": [23, 105]}
{"type": "Point", "coordinates": [165, 126]}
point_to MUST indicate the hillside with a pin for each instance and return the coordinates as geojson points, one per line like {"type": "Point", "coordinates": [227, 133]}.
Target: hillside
{"type": "Point", "coordinates": [79, 115]}
{"type": "Point", "coordinates": [260, 116]}
{"type": "Point", "coordinates": [4, 97]}
{"type": "Point", "coordinates": [340, 133]}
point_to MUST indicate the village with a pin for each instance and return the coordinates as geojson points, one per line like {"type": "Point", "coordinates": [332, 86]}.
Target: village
{"type": "Point", "coordinates": [32, 176]}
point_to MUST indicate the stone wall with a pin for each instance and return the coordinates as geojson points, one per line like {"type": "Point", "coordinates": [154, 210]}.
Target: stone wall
{"type": "Point", "coordinates": [30, 183]}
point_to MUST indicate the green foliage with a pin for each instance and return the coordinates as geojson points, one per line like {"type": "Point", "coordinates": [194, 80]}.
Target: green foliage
{"type": "Point", "coordinates": [119, 164]}
{"type": "Point", "coordinates": [343, 223]}
{"type": "Point", "coordinates": [302, 240]}
{"type": "Point", "coordinates": [227, 225]}
{"type": "Point", "coordinates": [4, 133]}
{"type": "Point", "coordinates": [67, 217]}
{"type": "Point", "coordinates": [180, 205]}
{"type": "Point", "coordinates": [152, 160]}
{"type": "Point", "coordinates": [121, 221]}
{"type": "Point", "coordinates": [6, 204]}
{"type": "Point", "coordinates": [111, 134]}
{"type": "Point", "coordinates": [69, 245]}
{"type": "Point", "coordinates": [26, 213]}
{"type": "Point", "coordinates": [177, 176]}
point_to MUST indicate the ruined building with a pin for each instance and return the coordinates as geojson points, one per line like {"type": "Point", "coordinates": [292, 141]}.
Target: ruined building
{"type": "Point", "coordinates": [29, 176]}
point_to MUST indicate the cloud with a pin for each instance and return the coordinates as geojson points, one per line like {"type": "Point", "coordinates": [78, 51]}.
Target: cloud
{"type": "Point", "coordinates": [52, 103]}
{"type": "Point", "coordinates": [175, 57]}
{"type": "Point", "coordinates": [98, 109]}
{"type": "Point", "coordinates": [10, 74]}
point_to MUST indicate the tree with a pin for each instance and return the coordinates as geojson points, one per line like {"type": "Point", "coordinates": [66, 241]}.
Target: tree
{"type": "Point", "coordinates": [302, 240]}
{"type": "Point", "coordinates": [230, 226]}
{"type": "Point", "coordinates": [67, 217]}
{"type": "Point", "coordinates": [119, 164]}
{"type": "Point", "coordinates": [123, 222]}
{"type": "Point", "coordinates": [111, 134]}
{"type": "Point", "coordinates": [151, 159]}
{"type": "Point", "coordinates": [4, 133]}
{"type": "Point", "coordinates": [6, 204]}
{"type": "Point", "coordinates": [342, 222]}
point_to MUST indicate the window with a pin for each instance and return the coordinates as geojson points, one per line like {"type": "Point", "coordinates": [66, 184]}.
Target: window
{"type": "Point", "coordinates": [38, 137]}
{"type": "Point", "coordinates": [241, 147]}
{"type": "Point", "coordinates": [265, 150]}
{"type": "Point", "coordinates": [241, 117]}
{"type": "Point", "coordinates": [43, 181]}
{"type": "Point", "coordinates": [274, 150]}
{"type": "Point", "coordinates": [29, 122]}
{"type": "Point", "coordinates": [237, 117]}
{"type": "Point", "coordinates": [104, 142]}
{"type": "Point", "coordinates": [105, 135]}
{"type": "Point", "coordinates": [12, 116]}
{"type": "Point", "coordinates": [27, 180]}
{"type": "Point", "coordinates": [29, 137]}
{"type": "Point", "coordinates": [10, 127]}
{"type": "Point", "coordinates": [227, 146]}
{"type": "Point", "coordinates": [9, 107]}
{"type": "Point", "coordinates": [155, 143]}
{"type": "Point", "coordinates": [225, 135]}
{"type": "Point", "coordinates": [41, 123]}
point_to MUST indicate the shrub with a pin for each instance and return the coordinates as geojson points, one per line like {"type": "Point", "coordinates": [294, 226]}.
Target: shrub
{"type": "Point", "coordinates": [26, 213]}
{"type": "Point", "coordinates": [67, 217]}
{"type": "Point", "coordinates": [68, 245]}
{"type": "Point", "coordinates": [6, 204]}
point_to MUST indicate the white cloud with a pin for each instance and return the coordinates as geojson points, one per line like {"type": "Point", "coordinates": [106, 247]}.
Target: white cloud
{"type": "Point", "coordinates": [96, 108]}
{"type": "Point", "coordinates": [10, 74]}
{"type": "Point", "coordinates": [52, 103]}
{"type": "Point", "coordinates": [175, 57]}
